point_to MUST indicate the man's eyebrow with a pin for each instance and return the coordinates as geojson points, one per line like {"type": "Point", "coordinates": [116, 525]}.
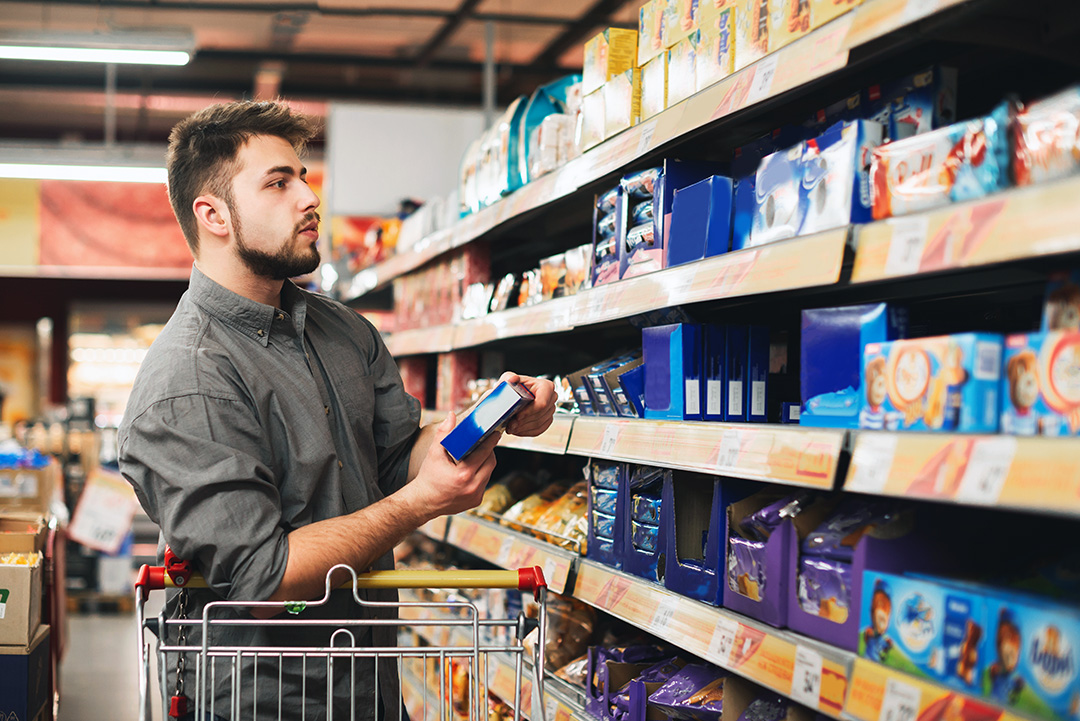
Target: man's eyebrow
{"type": "Point", "coordinates": [285, 170]}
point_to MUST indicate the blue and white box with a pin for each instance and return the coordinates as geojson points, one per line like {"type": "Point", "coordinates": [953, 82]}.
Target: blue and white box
{"type": "Point", "coordinates": [672, 371]}
{"type": "Point", "coordinates": [488, 416]}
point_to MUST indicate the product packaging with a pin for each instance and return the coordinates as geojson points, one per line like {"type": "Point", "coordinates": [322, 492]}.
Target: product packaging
{"type": "Point", "coordinates": [487, 417]}
{"type": "Point", "coordinates": [682, 69]}
{"type": "Point", "coordinates": [21, 581]}
{"type": "Point", "coordinates": [831, 359]}
{"type": "Point", "coordinates": [696, 693]}
{"type": "Point", "coordinates": [654, 86]}
{"type": "Point", "coordinates": [632, 383]}
{"type": "Point", "coordinates": [592, 122]}
{"type": "Point", "coordinates": [753, 30]}
{"type": "Point", "coordinates": [641, 556]}
{"type": "Point", "coordinates": [701, 217]}
{"type": "Point", "coordinates": [1040, 385]}
{"type": "Point", "coordinates": [715, 46]}
{"type": "Point", "coordinates": [560, 97]}
{"type": "Point", "coordinates": [945, 383]}
{"type": "Point", "coordinates": [607, 250]}
{"type": "Point", "coordinates": [672, 371]}
{"type": "Point", "coordinates": [607, 54]}
{"type": "Point", "coordinates": [1048, 138]}
{"type": "Point", "coordinates": [680, 21]}
{"type": "Point", "coordinates": [650, 31]}
{"type": "Point", "coordinates": [757, 373]}
{"type": "Point", "coordinates": [605, 528]}
{"type": "Point", "coordinates": [714, 371]}
{"type": "Point", "coordinates": [674, 175]}
{"type": "Point", "coordinates": [963, 161]}
{"type": "Point", "coordinates": [736, 349]}
{"type": "Point", "coordinates": [24, 670]}
{"type": "Point", "coordinates": [914, 104]}
{"type": "Point", "coordinates": [622, 101]}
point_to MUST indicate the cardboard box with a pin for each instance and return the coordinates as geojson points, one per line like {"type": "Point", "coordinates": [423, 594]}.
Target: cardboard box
{"type": "Point", "coordinates": [836, 176]}
{"type": "Point", "coordinates": [700, 221]}
{"type": "Point", "coordinates": [714, 371]}
{"type": "Point", "coordinates": [682, 69]}
{"type": "Point", "coordinates": [672, 371]}
{"type": "Point", "coordinates": [650, 31]}
{"type": "Point", "coordinates": [487, 417]}
{"type": "Point", "coordinates": [24, 678]}
{"type": "Point", "coordinates": [715, 47]}
{"type": "Point", "coordinates": [622, 101]}
{"type": "Point", "coordinates": [643, 562]}
{"type": "Point", "coordinates": [29, 488]}
{"type": "Point", "coordinates": [607, 54]}
{"type": "Point", "coordinates": [592, 122]}
{"type": "Point", "coordinates": [753, 30]}
{"type": "Point", "coordinates": [1039, 384]}
{"type": "Point", "coordinates": [680, 21]}
{"type": "Point", "coordinates": [606, 549]}
{"type": "Point", "coordinates": [20, 603]}
{"type": "Point", "coordinates": [735, 389]}
{"type": "Point", "coordinates": [757, 373]}
{"type": "Point", "coordinates": [654, 86]}
{"type": "Point", "coordinates": [944, 383]}
{"type": "Point", "coordinates": [22, 532]}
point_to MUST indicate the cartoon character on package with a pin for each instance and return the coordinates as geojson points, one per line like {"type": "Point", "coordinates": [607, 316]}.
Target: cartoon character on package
{"type": "Point", "coordinates": [1042, 384]}
{"type": "Point", "coordinates": [1004, 685]}
{"type": "Point", "coordinates": [875, 636]}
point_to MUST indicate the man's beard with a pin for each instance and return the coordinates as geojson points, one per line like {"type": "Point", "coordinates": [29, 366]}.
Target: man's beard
{"type": "Point", "coordinates": [285, 262]}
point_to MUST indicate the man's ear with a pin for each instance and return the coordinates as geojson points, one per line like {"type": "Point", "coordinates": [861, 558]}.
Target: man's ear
{"type": "Point", "coordinates": [212, 215]}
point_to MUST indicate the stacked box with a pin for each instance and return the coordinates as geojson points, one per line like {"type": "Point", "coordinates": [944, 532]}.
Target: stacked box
{"type": "Point", "coordinates": [1040, 384]}
{"type": "Point", "coordinates": [607, 54]}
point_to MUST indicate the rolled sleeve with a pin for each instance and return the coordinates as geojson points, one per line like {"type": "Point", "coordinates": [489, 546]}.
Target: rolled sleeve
{"type": "Point", "coordinates": [196, 463]}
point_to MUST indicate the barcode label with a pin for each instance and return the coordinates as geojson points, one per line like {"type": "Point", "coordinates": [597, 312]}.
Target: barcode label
{"type": "Point", "coordinates": [693, 397]}
{"type": "Point", "coordinates": [987, 361]}
{"type": "Point", "coordinates": [734, 396]}
{"type": "Point", "coordinates": [757, 398]}
{"type": "Point", "coordinates": [714, 402]}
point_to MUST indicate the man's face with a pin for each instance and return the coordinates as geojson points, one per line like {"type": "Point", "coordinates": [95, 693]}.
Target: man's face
{"type": "Point", "coordinates": [273, 210]}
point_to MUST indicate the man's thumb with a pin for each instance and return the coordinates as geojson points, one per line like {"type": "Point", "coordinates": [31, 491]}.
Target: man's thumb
{"type": "Point", "coordinates": [448, 423]}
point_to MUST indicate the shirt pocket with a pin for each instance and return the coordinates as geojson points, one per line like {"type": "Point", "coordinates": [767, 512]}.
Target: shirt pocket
{"type": "Point", "coordinates": [358, 400]}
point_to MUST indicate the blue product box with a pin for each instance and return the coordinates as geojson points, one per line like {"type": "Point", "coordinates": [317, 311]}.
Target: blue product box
{"type": "Point", "coordinates": [835, 187]}
{"type": "Point", "coordinates": [604, 403]}
{"type": "Point", "coordinates": [790, 412]}
{"type": "Point", "coordinates": [24, 677]}
{"type": "Point", "coordinates": [944, 383]}
{"type": "Point", "coordinates": [714, 362]}
{"type": "Point", "coordinates": [1032, 654]}
{"type": "Point", "coordinates": [488, 416]}
{"type": "Point", "coordinates": [700, 221]}
{"type": "Point", "coordinates": [915, 104]}
{"type": "Point", "coordinates": [607, 482]}
{"type": "Point", "coordinates": [643, 562]}
{"type": "Point", "coordinates": [632, 383]}
{"type": "Point", "coordinates": [921, 626]}
{"type": "Point", "coordinates": [613, 388]}
{"type": "Point", "coordinates": [672, 371]}
{"type": "Point", "coordinates": [778, 209]}
{"type": "Point", "coordinates": [1040, 384]}
{"type": "Point", "coordinates": [742, 220]}
{"type": "Point", "coordinates": [579, 387]}
{"type": "Point", "coordinates": [607, 248]}
{"type": "Point", "coordinates": [1061, 305]}
{"type": "Point", "coordinates": [831, 357]}
{"type": "Point", "coordinates": [735, 390]}
{"type": "Point", "coordinates": [757, 373]}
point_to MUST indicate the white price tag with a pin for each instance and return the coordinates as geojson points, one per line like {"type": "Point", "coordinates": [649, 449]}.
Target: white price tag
{"type": "Point", "coordinates": [918, 9]}
{"type": "Point", "coordinates": [104, 512]}
{"type": "Point", "coordinates": [551, 567]}
{"type": "Point", "coordinates": [871, 462]}
{"type": "Point", "coordinates": [901, 701]}
{"type": "Point", "coordinates": [907, 244]}
{"type": "Point", "coordinates": [987, 468]}
{"type": "Point", "coordinates": [610, 439]}
{"type": "Point", "coordinates": [505, 549]}
{"type": "Point", "coordinates": [728, 454]}
{"type": "Point", "coordinates": [806, 679]}
{"type": "Point", "coordinates": [551, 707]}
{"type": "Point", "coordinates": [662, 616]}
{"type": "Point", "coordinates": [764, 73]}
{"type": "Point", "coordinates": [645, 139]}
{"type": "Point", "coordinates": [723, 640]}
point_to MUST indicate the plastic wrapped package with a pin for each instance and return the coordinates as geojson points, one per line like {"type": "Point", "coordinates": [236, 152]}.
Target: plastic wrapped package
{"type": "Point", "coordinates": [530, 508]}
{"type": "Point", "coordinates": [500, 297]}
{"type": "Point", "coordinates": [603, 525]}
{"type": "Point", "coordinates": [760, 524]}
{"type": "Point", "coordinates": [570, 630]}
{"type": "Point", "coordinates": [553, 276]}
{"type": "Point", "coordinates": [642, 213]}
{"type": "Point", "coordinates": [695, 693]}
{"type": "Point", "coordinates": [605, 474]}
{"type": "Point", "coordinates": [838, 534]}
{"type": "Point", "coordinates": [641, 236]}
{"type": "Point", "coordinates": [606, 201]}
{"type": "Point", "coordinates": [606, 225]}
{"type": "Point", "coordinates": [825, 587]}
{"type": "Point", "coordinates": [577, 268]}
{"type": "Point", "coordinates": [1047, 134]}
{"type": "Point", "coordinates": [604, 500]}
{"type": "Point", "coordinates": [505, 492]}
{"type": "Point", "coordinates": [640, 185]}
{"type": "Point", "coordinates": [766, 708]}
{"type": "Point", "coordinates": [567, 518]}
{"type": "Point", "coordinates": [644, 536]}
{"type": "Point", "coordinates": [575, 672]}
{"type": "Point", "coordinates": [746, 567]}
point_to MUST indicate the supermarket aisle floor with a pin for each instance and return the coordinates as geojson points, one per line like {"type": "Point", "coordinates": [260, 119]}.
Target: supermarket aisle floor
{"type": "Point", "coordinates": [99, 676]}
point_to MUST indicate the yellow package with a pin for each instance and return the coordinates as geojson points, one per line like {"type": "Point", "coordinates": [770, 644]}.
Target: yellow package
{"type": "Point", "coordinates": [753, 30]}
{"type": "Point", "coordinates": [654, 82]}
{"type": "Point", "coordinates": [680, 21]}
{"type": "Point", "coordinates": [607, 54]}
{"type": "Point", "coordinates": [622, 102]}
{"type": "Point", "coordinates": [715, 49]}
{"type": "Point", "coordinates": [650, 30]}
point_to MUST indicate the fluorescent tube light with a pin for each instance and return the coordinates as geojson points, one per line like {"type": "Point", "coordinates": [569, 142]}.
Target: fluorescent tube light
{"type": "Point", "coordinates": [105, 173]}
{"type": "Point", "coordinates": [95, 55]}
{"type": "Point", "coordinates": [128, 47]}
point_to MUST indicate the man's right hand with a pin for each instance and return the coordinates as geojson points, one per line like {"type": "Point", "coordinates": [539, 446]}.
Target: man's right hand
{"type": "Point", "coordinates": [442, 487]}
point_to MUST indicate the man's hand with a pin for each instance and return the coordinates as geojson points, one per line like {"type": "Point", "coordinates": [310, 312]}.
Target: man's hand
{"type": "Point", "coordinates": [442, 487]}
{"type": "Point", "coordinates": [536, 417]}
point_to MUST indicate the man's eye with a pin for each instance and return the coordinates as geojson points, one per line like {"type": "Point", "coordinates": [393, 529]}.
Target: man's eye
{"type": "Point", "coordinates": [278, 184]}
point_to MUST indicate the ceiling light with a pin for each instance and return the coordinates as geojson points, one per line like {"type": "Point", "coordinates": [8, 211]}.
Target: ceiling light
{"type": "Point", "coordinates": [119, 163]}
{"type": "Point", "coordinates": [118, 174]}
{"type": "Point", "coordinates": [142, 48]}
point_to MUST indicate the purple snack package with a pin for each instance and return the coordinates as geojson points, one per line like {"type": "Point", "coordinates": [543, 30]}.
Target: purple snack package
{"type": "Point", "coordinates": [766, 708]}
{"type": "Point", "coordinates": [759, 525]}
{"type": "Point", "coordinates": [661, 671]}
{"type": "Point", "coordinates": [825, 587]}
{"type": "Point", "coordinates": [696, 693]}
{"type": "Point", "coordinates": [746, 567]}
{"type": "Point", "coordinates": [837, 535]}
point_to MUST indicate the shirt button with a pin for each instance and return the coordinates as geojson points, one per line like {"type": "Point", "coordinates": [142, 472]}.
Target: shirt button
{"type": "Point", "coordinates": [327, 409]}
{"type": "Point", "coordinates": [260, 331]}
{"type": "Point", "coordinates": [281, 316]}
{"type": "Point", "coordinates": [340, 464]}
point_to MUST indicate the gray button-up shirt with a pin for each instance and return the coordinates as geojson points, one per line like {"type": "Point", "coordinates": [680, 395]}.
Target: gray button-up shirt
{"type": "Point", "coordinates": [247, 421]}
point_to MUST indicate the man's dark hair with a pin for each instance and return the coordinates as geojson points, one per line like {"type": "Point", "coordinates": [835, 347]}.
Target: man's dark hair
{"type": "Point", "coordinates": [203, 147]}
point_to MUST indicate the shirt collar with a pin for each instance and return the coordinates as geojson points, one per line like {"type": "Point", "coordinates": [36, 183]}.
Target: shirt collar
{"type": "Point", "coordinates": [245, 315]}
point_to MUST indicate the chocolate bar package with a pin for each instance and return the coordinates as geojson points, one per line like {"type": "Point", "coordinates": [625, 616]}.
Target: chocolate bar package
{"type": "Point", "coordinates": [604, 500]}
{"type": "Point", "coordinates": [644, 535]}
{"type": "Point", "coordinates": [1047, 134]}
{"type": "Point", "coordinates": [606, 202]}
{"type": "Point", "coordinates": [640, 185]}
{"type": "Point", "coordinates": [825, 587]}
{"type": "Point", "coordinates": [837, 536]}
{"type": "Point", "coordinates": [963, 161]}
{"type": "Point", "coordinates": [696, 693]}
{"type": "Point", "coordinates": [746, 567]}
{"type": "Point", "coordinates": [645, 509]}
{"type": "Point", "coordinates": [761, 524]}
{"type": "Point", "coordinates": [605, 474]}
{"type": "Point", "coordinates": [603, 525]}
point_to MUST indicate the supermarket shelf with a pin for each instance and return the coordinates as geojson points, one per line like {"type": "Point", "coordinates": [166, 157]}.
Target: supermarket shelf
{"type": "Point", "coordinates": [510, 549]}
{"type": "Point", "coordinates": [875, 19]}
{"type": "Point", "coordinates": [879, 693]}
{"type": "Point", "coordinates": [438, 339]}
{"type": "Point", "coordinates": [1027, 473]}
{"type": "Point", "coordinates": [1019, 223]}
{"type": "Point", "coordinates": [436, 528]}
{"type": "Point", "coordinates": [551, 316]}
{"type": "Point", "coordinates": [775, 453]}
{"type": "Point", "coordinates": [810, 672]}
{"type": "Point", "coordinates": [554, 440]}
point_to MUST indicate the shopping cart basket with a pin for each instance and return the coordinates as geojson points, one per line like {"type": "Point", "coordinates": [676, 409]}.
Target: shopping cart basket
{"type": "Point", "coordinates": [218, 664]}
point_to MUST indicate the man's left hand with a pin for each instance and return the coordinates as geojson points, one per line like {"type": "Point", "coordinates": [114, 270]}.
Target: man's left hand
{"type": "Point", "coordinates": [536, 417]}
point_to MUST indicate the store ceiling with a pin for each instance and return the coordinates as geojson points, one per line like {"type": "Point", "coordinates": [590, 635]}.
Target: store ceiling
{"type": "Point", "coordinates": [428, 51]}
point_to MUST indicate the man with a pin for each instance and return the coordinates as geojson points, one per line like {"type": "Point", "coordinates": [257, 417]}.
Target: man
{"type": "Point", "coordinates": [268, 432]}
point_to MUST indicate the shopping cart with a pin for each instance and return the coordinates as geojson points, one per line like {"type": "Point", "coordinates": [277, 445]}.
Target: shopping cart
{"type": "Point", "coordinates": [186, 643]}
